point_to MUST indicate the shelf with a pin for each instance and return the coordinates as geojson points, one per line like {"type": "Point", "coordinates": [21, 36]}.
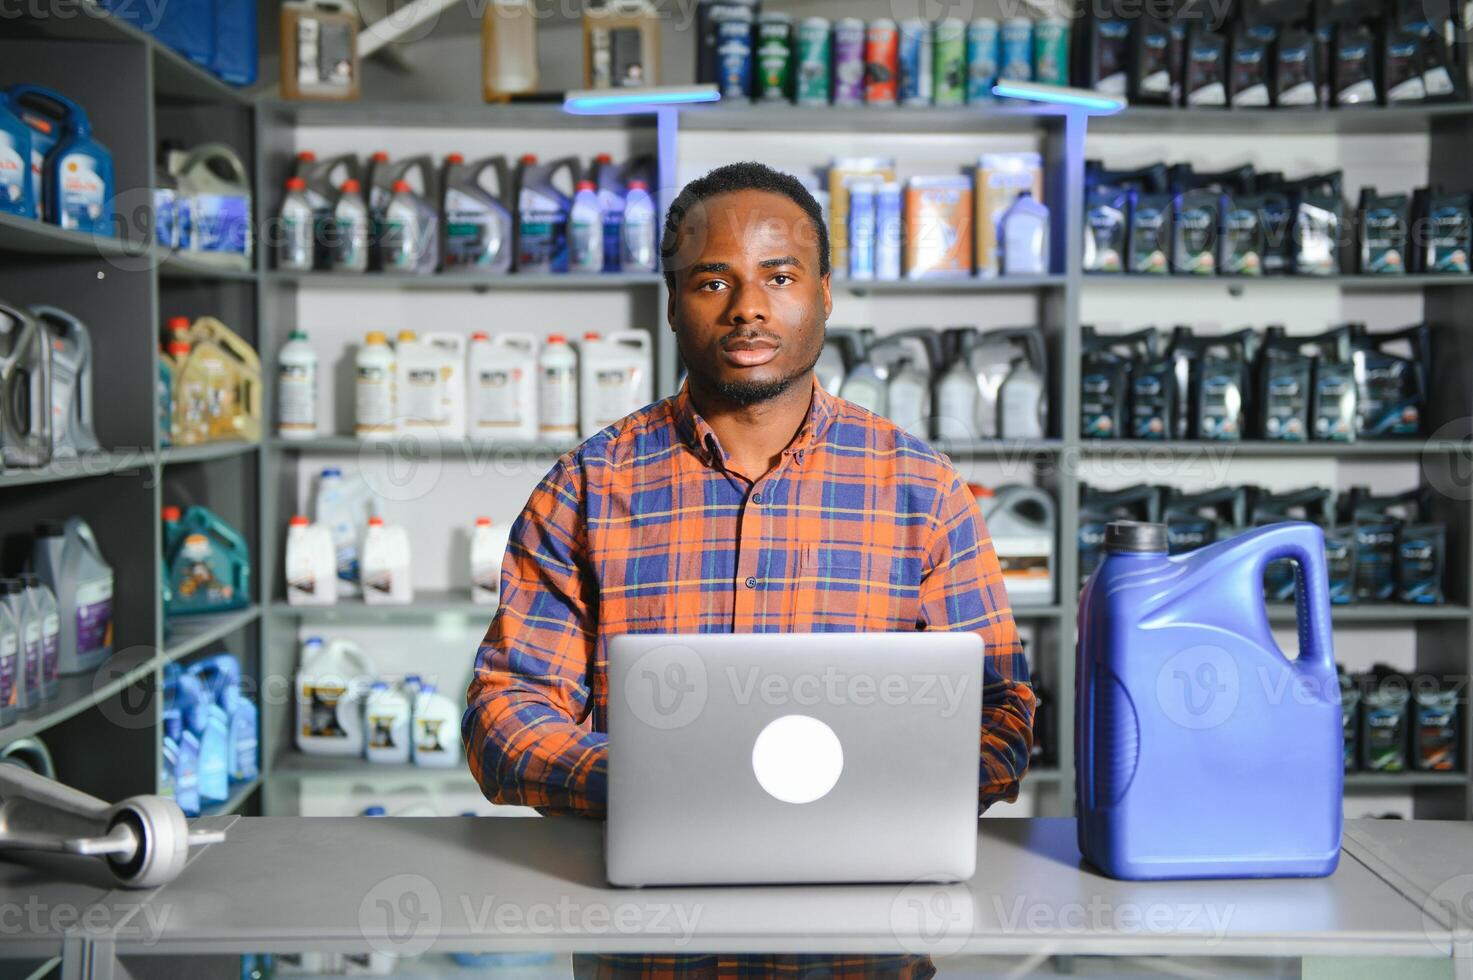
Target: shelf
{"type": "Point", "coordinates": [79, 468]}
{"type": "Point", "coordinates": [996, 448]}
{"type": "Point", "coordinates": [31, 237]}
{"type": "Point", "coordinates": [427, 604]}
{"type": "Point", "coordinates": [971, 284]}
{"type": "Point", "coordinates": [237, 799]}
{"type": "Point", "coordinates": [186, 634]}
{"type": "Point", "coordinates": [294, 765]}
{"type": "Point", "coordinates": [1298, 122]}
{"type": "Point", "coordinates": [478, 282]}
{"type": "Point", "coordinates": [1045, 776]}
{"type": "Point", "coordinates": [176, 265]}
{"type": "Point", "coordinates": [1038, 612]}
{"type": "Point", "coordinates": [1403, 780]}
{"type": "Point", "coordinates": [1238, 284]}
{"type": "Point", "coordinates": [1409, 448]}
{"type": "Point", "coordinates": [171, 455]}
{"type": "Point", "coordinates": [944, 120]}
{"type": "Point", "coordinates": [1375, 614]}
{"type": "Point", "coordinates": [175, 77]}
{"type": "Point", "coordinates": [544, 113]}
{"type": "Point", "coordinates": [418, 446]}
{"type": "Point", "coordinates": [78, 692]}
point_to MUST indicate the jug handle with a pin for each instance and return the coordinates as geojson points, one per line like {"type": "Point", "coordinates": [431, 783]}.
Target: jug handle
{"type": "Point", "coordinates": [1305, 544]}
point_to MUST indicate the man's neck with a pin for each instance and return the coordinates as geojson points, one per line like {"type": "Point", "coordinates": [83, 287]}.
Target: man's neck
{"type": "Point", "coordinates": [755, 435]}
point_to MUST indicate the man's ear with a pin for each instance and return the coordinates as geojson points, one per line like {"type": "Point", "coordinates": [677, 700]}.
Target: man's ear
{"type": "Point", "coordinates": [828, 293]}
{"type": "Point", "coordinates": [670, 309]}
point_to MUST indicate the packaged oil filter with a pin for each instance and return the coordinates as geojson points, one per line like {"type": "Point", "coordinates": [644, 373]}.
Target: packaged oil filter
{"type": "Point", "coordinates": [1436, 727]}
{"type": "Point", "coordinates": [1152, 73]}
{"type": "Point", "coordinates": [1249, 64]}
{"type": "Point", "coordinates": [938, 227]}
{"type": "Point", "coordinates": [1382, 224]}
{"type": "Point", "coordinates": [1383, 720]}
{"type": "Point", "coordinates": [1318, 206]}
{"type": "Point", "coordinates": [1393, 373]}
{"type": "Point", "coordinates": [1445, 222]}
{"type": "Point", "coordinates": [1104, 54]}
{"type": "Point", "coordinates": [1106, 222]}
{"type": "Point", "coordinates": [1001, 177]}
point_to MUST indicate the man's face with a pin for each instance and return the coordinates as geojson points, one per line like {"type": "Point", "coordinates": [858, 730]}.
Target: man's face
{"type": "Point", "coordinates": [749, 305]}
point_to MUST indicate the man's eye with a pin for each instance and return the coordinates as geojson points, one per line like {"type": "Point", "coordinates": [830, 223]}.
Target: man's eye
{"type": "Point", "coordinates": [712, 285]}
{"type": "Point", "coordinates": [782, 279]}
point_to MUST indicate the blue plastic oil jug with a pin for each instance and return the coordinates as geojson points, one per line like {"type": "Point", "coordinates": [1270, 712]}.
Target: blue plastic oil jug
{"type": "Point", "coordinates": [235, 54]}
{"type": "Point", "coordinates": [75, 171]}
{"type": "Point", "coordinates": [209, 565]}
{"type": "Point", "coordinates": [1202, 751]}
{"type": "Point", "coordinates": [16, 193]}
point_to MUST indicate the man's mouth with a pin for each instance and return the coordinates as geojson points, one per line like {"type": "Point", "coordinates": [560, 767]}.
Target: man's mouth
{"type": "Point", "coordinates": [749, 353]}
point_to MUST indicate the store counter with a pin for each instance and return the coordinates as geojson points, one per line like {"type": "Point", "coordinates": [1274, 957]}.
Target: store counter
{"type": "Point", "coordinates": [409, 886]}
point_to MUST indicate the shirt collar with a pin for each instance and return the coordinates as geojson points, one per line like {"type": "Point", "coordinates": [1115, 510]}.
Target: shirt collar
{"type": "Point", "coordinates": [697, 433]}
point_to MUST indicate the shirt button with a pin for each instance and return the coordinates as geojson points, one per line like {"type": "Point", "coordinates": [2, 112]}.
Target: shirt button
{"type": "Point", "coordinates": [751, 582]}
{"type": "Point", "coordinates": [756, 498]}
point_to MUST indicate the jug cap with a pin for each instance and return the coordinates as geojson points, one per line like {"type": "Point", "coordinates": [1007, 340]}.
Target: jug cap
{"type": "Point", "coordinates": [170, 513]}
{"type": "Point", "coordinates": [455, 158]}
{"type": "Point", "coordinates": [296, 184]}
{"type": "Point", "coordinates": [1135, 537]}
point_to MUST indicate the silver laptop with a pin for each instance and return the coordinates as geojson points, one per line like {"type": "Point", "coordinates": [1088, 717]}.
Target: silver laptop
{"type": "Point", "coordinates": [784, 757]}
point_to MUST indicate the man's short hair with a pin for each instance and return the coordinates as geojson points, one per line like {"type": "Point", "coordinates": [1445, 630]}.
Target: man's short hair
{"type": "Point", "coordinates": [745, 176]}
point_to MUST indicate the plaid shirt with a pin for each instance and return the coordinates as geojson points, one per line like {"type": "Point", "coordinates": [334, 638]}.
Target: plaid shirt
{"type": "Point", "coordinates": [643, 529]}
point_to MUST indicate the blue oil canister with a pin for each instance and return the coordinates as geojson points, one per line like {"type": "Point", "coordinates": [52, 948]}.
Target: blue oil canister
{"type": "Point", "coordinates": [17, 195]}
{"type": "Point", "coordinates": [1190, 717]}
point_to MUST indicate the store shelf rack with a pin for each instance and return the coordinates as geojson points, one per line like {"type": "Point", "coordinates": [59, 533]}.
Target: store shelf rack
{"type": "Point", "coordinates": [139, 92]}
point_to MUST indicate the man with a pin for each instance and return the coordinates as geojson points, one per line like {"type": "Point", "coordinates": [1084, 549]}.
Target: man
{"type": "Point", "coordinates": [751, 501]}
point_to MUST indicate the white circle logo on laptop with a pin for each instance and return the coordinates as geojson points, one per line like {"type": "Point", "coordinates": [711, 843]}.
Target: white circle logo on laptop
{"type": "Point", "coordinates": [797, 759]}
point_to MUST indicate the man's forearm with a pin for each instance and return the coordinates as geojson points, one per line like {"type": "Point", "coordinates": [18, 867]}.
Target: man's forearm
{"type": "Point", "coordinates": [525, 751]}
{"type": "Point", "coordinates": [1007, 740]}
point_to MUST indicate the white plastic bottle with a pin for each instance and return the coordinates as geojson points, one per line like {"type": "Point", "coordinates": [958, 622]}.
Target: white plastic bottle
{"type": "Point", "coordinates": [296, 229]}
{"type": "Point", "coordinates": [503, 386]}
{"type": "Point", "coordinates": [373, 389]}
{"type": "Point", "coordinates": [419, 390]}
{"type": "Point", "coordinates": [296, 388]}
{"type": "Point", "coordinates": [350, 220]}
{"type": "Point", "coordinates": [615, 377]}
{"type": "Point", "coordinates": [557, 370]}
{"type": "Point", "coordinates": [386, 717]}
{"type": "Point", "coordinates": [331, 681]}
{"type": "Point", "coordinates": [436, 730]}
{"type": "Point", "coordinates": [488, 547]}
{"type": "Point", "coordinates": [344, 506]}
{"type": "Point", "coordinates": [586, 230]}
{"type": "Point", "coordinates": [311, 564]}
{"type": "Point", "coordinates": [637, 239]}
{"type": "Point", "coordinates": [386, 566]}
{"type": "Point", "coordinates": [448, 350]}
{"type": "Point", "coordinates": [44, 604]}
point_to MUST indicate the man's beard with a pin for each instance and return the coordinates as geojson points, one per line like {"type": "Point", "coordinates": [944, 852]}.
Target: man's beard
{"type": "Point", "coordinates": [747, 393]}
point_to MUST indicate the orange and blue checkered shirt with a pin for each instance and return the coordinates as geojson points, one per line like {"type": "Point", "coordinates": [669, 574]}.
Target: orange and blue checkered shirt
{"type": "Point", "coordinates": [860, 527]}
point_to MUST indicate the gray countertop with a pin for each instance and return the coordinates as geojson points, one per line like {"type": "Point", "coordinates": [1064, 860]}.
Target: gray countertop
{"type": "Point", "coordinates": [409, 886]}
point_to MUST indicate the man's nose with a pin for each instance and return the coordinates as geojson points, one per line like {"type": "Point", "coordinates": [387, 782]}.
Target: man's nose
{"type": "Point", "coordinates": [748, 303]}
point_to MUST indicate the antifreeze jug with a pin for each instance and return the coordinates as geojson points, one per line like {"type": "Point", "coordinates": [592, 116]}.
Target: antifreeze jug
{"type": "Point", "coordinates": [71, 381]}
{"type": "Point", "coordinates": [479, 228]}
{"type": "Point", "coordinates": [542, 213]}
{"type": "Point", "coordinates": [1183, 724]}
{"type": "Point", "coordinates": [25, 390]}
{"type": "Point", "coordinates": [209, 565]}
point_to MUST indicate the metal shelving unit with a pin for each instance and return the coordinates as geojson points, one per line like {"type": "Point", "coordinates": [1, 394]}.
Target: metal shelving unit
{"type": "Point", "coordinates": [136, 93]}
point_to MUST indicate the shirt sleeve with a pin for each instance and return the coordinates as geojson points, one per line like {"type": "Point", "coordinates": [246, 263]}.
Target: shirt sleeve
{"type": "Point", "coordinates": [527, 728]}
{"type": "Point", "coordinates": [962, 589]}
